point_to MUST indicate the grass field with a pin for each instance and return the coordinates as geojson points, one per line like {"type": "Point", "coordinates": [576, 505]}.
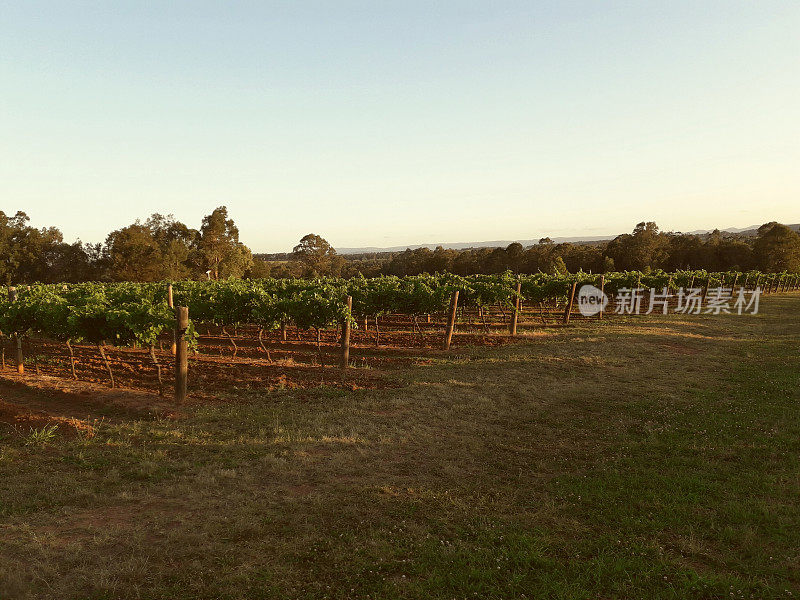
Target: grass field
{"type": "Point", "coordinates": [648, 457]}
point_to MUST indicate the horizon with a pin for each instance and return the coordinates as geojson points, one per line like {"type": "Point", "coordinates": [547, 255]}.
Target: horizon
{"type": "Point", "coordinates": [383, 126]}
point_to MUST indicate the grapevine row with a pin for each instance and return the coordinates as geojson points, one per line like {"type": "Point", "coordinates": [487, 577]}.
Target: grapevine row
{"type": "Point", "coordinates": [138, 313]}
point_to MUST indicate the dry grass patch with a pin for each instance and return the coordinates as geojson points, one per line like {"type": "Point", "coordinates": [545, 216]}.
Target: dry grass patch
{"type": "Point", "coordinates": [639, 457]}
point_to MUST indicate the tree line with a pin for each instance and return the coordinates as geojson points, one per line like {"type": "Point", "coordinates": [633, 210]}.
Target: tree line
{"type": "Point", "coordinates": [159, 248]}
{"type": "Point", "coordinates": [774, 248]}
{"type": "Point", "coordinates": [162, 248]}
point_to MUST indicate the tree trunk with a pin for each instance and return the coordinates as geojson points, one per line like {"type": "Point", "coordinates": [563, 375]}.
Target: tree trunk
{"type": "Point", "coordinates": [319, 348]}
{"type": "Point", "coordinates": [71, 359]}
{"type": "Point", "coordinates": [105, 360]}
{"type": "Point", "coordinates": [483, 319]}
{"type": "Point", "coordinates": [158, 368]}
{"type": "Point", "coordinates": [261, 342]}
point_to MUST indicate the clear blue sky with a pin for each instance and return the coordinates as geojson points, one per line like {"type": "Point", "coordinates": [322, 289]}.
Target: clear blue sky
{"type": "Point", "coordinates": [387, 123]}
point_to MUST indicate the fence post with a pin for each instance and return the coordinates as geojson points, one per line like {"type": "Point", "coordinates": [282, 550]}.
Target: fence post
{"type": "Point", "coordinates": [181, 354]}
{"type": "Point", "coordinates": [346, 334]}
{"type": "Point", "coordinates": [451, 320]}
{"type": "Point", "coordinates": [12, 297]}
{"type": "Point", "coordinates": [602, 296]}
{"type": "Point", "coordinates": [568, 310]}
{"type": "Point", "coordinates": [512, 329]}
{"type": "Point", "coordinates": [20, 361]}
{"type": "Point", "coordinates": [171, 304]}
{"type": "Point", "coordinates": [705, 291]}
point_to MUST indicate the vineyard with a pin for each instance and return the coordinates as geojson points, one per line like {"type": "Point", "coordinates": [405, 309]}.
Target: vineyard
{"type": "Point", "coordinates": [286, 332]}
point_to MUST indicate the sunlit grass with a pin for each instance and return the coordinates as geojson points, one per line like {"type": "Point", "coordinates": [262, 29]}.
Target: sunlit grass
{"type": "Point", "coordinates": [634, 458]}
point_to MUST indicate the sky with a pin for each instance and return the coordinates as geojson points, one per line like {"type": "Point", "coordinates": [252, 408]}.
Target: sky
{"type": "Point", "coordinates": [385, 123]}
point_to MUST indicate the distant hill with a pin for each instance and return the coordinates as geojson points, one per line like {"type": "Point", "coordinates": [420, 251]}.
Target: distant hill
{"type": "Point", "coordinates": [383, 253]}
{"type": "Point", "coordinates": [743, 231]}
{"type": "Point", "coordinates": [464, 245]}
{"type": "Point", "coordinates": [751, 231]}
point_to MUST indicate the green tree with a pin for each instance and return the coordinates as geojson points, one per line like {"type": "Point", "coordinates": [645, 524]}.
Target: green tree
{"type": "Point", "coordinates": [132, 254]}
{"type": "Point", "coordinates": [219, 251]}
{"type": "Point", "coordinates": [28, 255]}
{"type": "Point", "coordinates": [777, 248]}
{"type": "Point", "coordinates": [176, 242]}
{"type": "Point", "coordinates": [514, 254]}
{"type": "Point", "coordinates": [317, 256]}
{"type": "Point", "coordinates": [645, 247]}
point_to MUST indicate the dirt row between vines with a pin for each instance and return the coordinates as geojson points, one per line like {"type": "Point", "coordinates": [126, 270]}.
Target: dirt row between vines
{"type": "Point", "coordinates": [231, 360]}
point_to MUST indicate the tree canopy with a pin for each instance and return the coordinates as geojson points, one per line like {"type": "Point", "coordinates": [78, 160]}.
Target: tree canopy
{"type": "Point", "coordinates": [162, 248]}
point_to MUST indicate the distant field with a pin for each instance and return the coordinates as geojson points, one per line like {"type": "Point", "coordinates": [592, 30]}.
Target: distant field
{"type": "Point", "coordinates": [641, 457]}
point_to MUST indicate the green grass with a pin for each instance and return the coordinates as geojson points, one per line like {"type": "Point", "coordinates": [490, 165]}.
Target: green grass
{"type": "Point", "coordinates": [640, 458]}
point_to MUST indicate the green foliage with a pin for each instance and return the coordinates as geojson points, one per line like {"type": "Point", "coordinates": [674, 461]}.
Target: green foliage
{"type": "Point", "coordinates": [41, 436]}
{"type": "Point", "coordinates": [126, 313]}
{"type": "Point", "coordinates": [118, 314]}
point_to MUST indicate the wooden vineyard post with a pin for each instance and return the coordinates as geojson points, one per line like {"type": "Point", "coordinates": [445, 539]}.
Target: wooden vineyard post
{"type": "Point", "coordinates": [171, 304]}
{"type": "Point", "coordinates": [451, 321]}
{"type": "Point", "coordinates": [12, 297]}
{"type": "Point", "coordinates": [181, 354]}
{"type": "Point", "coordinates": [602, 296]}
{"type": "Point", "coordinates": [705, 291]}
{"type": "Point", "coordinates": [512, 329]}
{"type": "Point", "coordinates": [570, 301]}
{"type": "Point", "coordinates": [283, 331]}
{"type": "Point", "coordinates": [346, 334]}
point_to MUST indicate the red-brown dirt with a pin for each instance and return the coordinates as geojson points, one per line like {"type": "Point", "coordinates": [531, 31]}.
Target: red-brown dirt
{"type": "Point", "coordinates": [48, 394]}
